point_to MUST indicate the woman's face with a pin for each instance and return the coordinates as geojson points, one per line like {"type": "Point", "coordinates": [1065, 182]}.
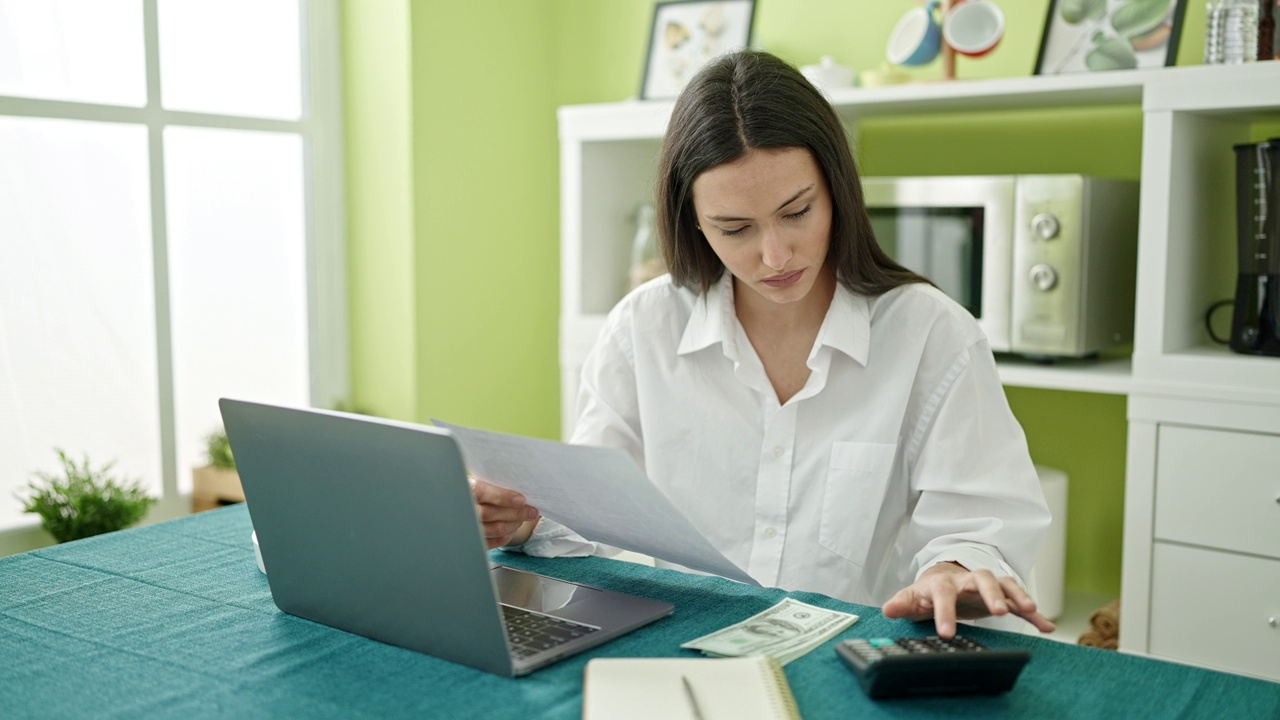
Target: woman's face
{"type": "Point", "coordinates": [767, 216]}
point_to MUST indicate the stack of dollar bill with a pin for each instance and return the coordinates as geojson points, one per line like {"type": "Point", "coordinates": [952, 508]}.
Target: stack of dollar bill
{"type": "Point", "coordinates": [785, 632]}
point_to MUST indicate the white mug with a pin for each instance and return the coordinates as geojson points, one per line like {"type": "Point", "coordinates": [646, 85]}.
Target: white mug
{"type": "Point", "coordinates": [973, 27]}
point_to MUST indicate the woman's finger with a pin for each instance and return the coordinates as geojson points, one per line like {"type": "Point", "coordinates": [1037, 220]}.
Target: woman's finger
{"type": "Point", "coordinates": [992, 592]}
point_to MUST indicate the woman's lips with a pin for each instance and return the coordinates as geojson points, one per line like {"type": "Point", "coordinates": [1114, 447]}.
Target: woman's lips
{"type": "Point", "coordinates": [785, 280]}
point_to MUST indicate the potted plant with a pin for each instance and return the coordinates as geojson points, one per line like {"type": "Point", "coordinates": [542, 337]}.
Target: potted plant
{"type": "Point", "coordinates": [216, 483]}
{"type": "Point", "coordinates": [83, 501]}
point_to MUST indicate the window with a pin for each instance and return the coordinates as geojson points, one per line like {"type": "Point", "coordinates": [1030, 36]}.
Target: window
{"type": "Point", "coordinates": [170, 228]}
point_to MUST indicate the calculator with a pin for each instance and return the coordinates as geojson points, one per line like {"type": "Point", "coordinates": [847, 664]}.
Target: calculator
{"type": "Point", "coordinates": [907, 667]}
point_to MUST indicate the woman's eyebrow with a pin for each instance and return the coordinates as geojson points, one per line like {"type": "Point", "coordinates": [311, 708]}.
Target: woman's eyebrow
{"type": "Point", "coordinates": [793, 198]}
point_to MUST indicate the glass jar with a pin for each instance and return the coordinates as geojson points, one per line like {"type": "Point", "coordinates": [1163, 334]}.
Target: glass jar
{"type": "Point", "coordinates": [1231, 32]}
{"type": "Point", "coordinates": [646, 258]}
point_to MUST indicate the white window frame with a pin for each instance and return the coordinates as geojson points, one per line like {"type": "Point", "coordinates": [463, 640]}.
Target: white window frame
{"type": "Point", "coordinates": [320, 128]}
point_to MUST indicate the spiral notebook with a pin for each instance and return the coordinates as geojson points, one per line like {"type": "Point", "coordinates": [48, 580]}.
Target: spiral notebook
{"type": "Point", "coordinates": [743, 688]}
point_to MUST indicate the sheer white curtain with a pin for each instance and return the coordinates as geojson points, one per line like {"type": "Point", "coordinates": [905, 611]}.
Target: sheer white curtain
{"type": "Point", "coordinates": [168, 177]}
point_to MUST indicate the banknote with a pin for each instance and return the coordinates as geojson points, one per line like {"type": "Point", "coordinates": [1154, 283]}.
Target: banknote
{"type": "Point", "coordinates": [785, 632]}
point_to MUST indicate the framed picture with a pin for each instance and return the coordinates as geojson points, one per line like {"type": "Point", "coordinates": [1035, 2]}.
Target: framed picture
{"type": "Point", "coordinates": [1094, 35]}
{"type": "Point", "coordinates": [688, 33]}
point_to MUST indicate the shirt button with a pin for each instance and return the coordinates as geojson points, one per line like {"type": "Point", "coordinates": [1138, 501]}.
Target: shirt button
{"type": "Point", "coordinates": [770, 533]}
{"type": "Point", "coordinates": [777, 451]}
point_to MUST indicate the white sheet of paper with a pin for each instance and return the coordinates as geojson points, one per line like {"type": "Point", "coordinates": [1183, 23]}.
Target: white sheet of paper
{"type": "Point", "coordinates": [597, 491]}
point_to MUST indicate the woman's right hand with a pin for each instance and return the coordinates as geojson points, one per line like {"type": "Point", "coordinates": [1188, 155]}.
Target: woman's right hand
{"type": "Point", "coordinates": [504, 514]}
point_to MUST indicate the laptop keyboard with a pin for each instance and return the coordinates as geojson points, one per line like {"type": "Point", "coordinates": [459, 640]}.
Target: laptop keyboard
{"type": "Point", "coordinates": [532, 633]}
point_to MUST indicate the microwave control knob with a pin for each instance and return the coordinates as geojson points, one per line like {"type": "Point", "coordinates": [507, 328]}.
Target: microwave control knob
{"type": "Point", "coordinates": [1046, 225]}
{"type": "Point", "coordinates": [1044, 277]}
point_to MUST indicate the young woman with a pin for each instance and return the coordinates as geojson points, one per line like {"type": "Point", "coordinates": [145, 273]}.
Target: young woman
{"type": "Point", "coordinates": [827, 418]}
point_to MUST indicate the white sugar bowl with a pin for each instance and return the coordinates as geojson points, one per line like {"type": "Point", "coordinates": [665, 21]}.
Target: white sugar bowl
{"type": "Point", "coordinates": [828, 74]}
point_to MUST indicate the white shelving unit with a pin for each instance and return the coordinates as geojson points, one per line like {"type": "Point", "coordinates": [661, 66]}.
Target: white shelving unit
{"type": "Point", "coordinates": [609, 152]}
{"type": "Point", "coordinates": [1188, 398]}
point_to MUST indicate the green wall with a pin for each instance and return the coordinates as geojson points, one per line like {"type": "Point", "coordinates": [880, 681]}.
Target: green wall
{"type": "Point", "coordinates": [380, 277]}
{"type": "Point", "coordinates": [487, 204]}
{"type": "Point", "coordinates": [1084, 435]}
{"type": "Point", "coordinates": [455, 292]}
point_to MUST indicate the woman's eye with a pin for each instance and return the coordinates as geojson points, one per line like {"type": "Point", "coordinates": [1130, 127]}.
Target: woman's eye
{"type": "Point", "coordinates": [736, 231]}
{"type": "Point", "coordinates": [800, 214]}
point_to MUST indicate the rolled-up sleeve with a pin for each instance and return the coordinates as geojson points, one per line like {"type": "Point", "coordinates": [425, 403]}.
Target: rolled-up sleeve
{"type": "Point", "coordinates": [978, 500]}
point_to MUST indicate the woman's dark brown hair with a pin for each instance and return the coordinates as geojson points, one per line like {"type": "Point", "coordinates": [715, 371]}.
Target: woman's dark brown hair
{"type": "Point", "coordinates": [745, 101]}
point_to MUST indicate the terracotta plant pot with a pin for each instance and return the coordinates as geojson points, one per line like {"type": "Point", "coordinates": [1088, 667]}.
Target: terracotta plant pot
{"type": "Point", "coordinates": [213, 487]}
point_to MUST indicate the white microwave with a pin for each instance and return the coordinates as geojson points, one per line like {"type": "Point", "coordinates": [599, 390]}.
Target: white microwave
{"type": "Point", "coordinates": [1046, 263]}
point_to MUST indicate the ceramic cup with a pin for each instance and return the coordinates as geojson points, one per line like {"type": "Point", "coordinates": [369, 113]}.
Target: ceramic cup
{"type": "Point", "coordinates": [917, 38]}
{"type": "Point", "coordinates": [973, 27]}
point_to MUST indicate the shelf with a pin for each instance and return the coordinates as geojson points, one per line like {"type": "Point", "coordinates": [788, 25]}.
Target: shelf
{"type": "Point", "coordinates": [1173, 88]}
{"type": "Point", "coordinates": [1111, 376]}
{"type": "Point", "coordinates": [1211, 372]}
{"type": "Point", "coordinates": [1210, 90]}
{"type": "Point", "coordinates": [638, 119]}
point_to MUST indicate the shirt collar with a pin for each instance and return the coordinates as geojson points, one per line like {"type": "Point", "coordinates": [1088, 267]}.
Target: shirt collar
{"type": "Point", "coordinates": [712, 319]}
{"type": "Point", "coordinates": [846, 328]}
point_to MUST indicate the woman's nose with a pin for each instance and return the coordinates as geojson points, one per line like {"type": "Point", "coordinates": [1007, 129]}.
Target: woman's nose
{"type": "Point", "coordinates": [774, 251]}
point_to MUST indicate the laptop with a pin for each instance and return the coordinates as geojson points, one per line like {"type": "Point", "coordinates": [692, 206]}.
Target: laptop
{"type": "Point", "coordinates": [369, 526]}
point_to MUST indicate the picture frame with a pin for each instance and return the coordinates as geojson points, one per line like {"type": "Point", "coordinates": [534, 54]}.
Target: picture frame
{"type": "Point", "coordinates": [685, 35]}
{"type": "Point", "coordinates": [1100, 35]}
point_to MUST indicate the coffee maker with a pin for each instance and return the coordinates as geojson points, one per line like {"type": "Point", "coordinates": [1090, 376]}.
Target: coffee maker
{"type": "Point", "coordinates": [1255, 324]}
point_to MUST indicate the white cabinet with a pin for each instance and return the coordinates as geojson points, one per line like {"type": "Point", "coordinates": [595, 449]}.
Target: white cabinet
{"type": "Point", "coordinates": [1200, 539]}
{"type": "Point", "coordinates": [1201, 577]}
{"type": "Point", "coordinates": [1215, 546]}
{"type": "Point", "coordinates": [1216, 609]}
{"type": "Point", "coordinates": [1210, 487]}
{"type": "Point", "coordinates": [1201, 563]}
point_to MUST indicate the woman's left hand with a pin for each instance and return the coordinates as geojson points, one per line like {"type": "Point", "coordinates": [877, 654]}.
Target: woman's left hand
{"type": "Point", "coordinates": [948, 591]}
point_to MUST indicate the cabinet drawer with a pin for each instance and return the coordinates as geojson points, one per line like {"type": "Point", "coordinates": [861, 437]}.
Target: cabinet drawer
{"type": "Point", "coordinates": [1216, 609]}
{"type": "Point", "coordinates": [1219, 488]}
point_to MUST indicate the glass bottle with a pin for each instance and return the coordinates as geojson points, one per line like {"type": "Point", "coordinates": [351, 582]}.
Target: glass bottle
{"type": "Point", "coordinates": [1267, 30]}
{"type": "Point", "coordinates": [646, 259]}
{"type": "Point", "coordinates": [1213, 34]}
{"type": "Point", "coordinates": [1231, 32]}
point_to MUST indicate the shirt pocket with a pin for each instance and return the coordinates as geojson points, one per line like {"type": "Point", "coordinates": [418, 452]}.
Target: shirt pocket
{"type": "Point", "coordinates": [853, 495]}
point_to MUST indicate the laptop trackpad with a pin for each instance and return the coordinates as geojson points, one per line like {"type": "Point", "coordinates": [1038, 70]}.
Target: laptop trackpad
{"type": "Point", "coordinates": [535, 592]}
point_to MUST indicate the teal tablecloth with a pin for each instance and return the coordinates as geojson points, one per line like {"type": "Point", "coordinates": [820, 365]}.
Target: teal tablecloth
{"type": "Point", "coordinates": [174, 620]}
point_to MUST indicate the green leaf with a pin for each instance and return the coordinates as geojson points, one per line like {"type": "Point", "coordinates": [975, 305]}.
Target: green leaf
{"type": "Point", "coordinates": [83, 501]}
{"type": "Point", "coordinates": [1076, 11]}
{"type": "Point", "coordinates": [1139, 17]}
{"type": "Point", "coordinates": [1111, 54]}
{"type": "Point", "coordinates": [219, 450]}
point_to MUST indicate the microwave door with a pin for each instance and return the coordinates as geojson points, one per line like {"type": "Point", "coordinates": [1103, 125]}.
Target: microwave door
{"type": "Point", "coordinates": [941, 244]}
{"type": "Point", "coordinates": [956, 231]}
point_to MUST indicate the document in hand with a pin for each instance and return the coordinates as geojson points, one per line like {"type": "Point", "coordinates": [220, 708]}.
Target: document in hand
{"type": "Point", "coordinates": [598, 492]}
{"type": "Point", "coordinates": [741, 688]}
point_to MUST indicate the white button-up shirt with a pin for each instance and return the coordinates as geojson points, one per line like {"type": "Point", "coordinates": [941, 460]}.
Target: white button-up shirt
{"type": "Point", "coordinates": [899, 452]}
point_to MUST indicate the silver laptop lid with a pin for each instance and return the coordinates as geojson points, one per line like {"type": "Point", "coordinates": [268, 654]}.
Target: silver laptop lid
{"type": "Point", "coordinates": [324, 488]}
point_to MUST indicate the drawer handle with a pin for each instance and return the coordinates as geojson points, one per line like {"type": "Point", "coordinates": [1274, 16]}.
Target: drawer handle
{"type": "Point", "coordinates": [1272, 621]}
